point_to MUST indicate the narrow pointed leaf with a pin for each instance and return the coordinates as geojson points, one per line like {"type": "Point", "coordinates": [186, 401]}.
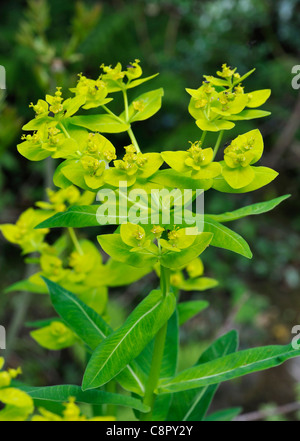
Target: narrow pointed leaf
{"type": "Point", "coordinates": [76, 217]}
{"type": "Point", "coordinates": [251, 210]}
{"type": "Point", "coordinates": [192, 405]}
{"type": "Point", "coordinates": [229, 367]}
{"type": "Point", "coordinates": [226, 238]}
{"type": "Point", "coordinates": [224, 415]}
{"type": "Point", "coordinates": [61, 394]}
{"type": "Point", "coordinates": [125, 344]}
{"type": "Point", "coordinates": [92, 330]}
{"type": "Point", "coordinates": [188, 310]}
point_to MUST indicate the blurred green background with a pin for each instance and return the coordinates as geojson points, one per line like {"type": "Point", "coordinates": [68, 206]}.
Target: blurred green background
{"type": "Point", "coordinates": [46, 43]}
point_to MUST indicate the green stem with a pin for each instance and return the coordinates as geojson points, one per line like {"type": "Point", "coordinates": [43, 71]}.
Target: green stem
{"type": "Point", "coordinates": [218, 143]}
{"type": "Point", "coordinates": [203, 137]}
{"type": "Point", "coordinates": [75, 241]}
{"type": "Point", "coordinates": [158, 353]}
{"type": "Point", "coordinates": [64, 130]}
{"type": "Point", "coordinates": [126, 104]}
{"type": "Point", "coordinates": [133, 140]}
{"type": "Point", "coordinates": [164, 280]}
{"type": "Point", "coordinates": [129, 131]}
{"type": "Point", "coordinates": [107, 110]}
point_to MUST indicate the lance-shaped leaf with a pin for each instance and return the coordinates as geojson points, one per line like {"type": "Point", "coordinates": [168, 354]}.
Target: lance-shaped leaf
{"type": "Point", "coordinates": [92, 330]}
{"type": "Point", "coordinates": [192, 405]}
{"type": "Point", "coordinates": [140, 81]}
{"type": "Point", "coordinates": [76, 217]}
{"type": "Point", "coordinates": [229, 367]}
{"type": "Point", "coordinates": [125, 344]}
{"type": "Point", "coordinates": [251, 210]}
{"type": "Point", "coordinates": [61, 394]}
{"type": "Point", "coordinates": [224, 415]}
{"type": "Point", "coordinates": [100, 123]}
{"type": "Point", "coordinates": [188, 310]}
{"type": "Point", "coordinates": [226, 238]}
{"type": "Point", "coordinates": [247, 115]}
{"type": "Point", "coordinates": [168, 367]}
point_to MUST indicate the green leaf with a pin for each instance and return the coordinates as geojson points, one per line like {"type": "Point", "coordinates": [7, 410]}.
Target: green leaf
{"type": "Point", "coordinates": [175, 260]}
{"type": "Point", "coordinates": [125, 344]}
{"type": "Point", "coordinates": [42, 323]}
{"type": "Point", "coordinates": [76, 217]}
{"type": "Point", "coordinates": [247, 115]}
{"type": "Point", "coordinates": [244, 77]}
{"type": "Point", "coordinates": [226, 238]}
{"type": "Point", "coordinates": [224, 415]}
{"type": "Point", "coordinates": [263, 176]}
{"type": "Point", "coordinates": [192, 405]}
{"type": "Point", "coordinates": [100, 123]}
{"type": "Point", "coordinates": [91, 329]}
{"type": "Point", "coordinates": [140, 81]}
{"type": "Point", "coordinates": [251, 210]}
{"type": "Point", "coordinates": [150, 103]}
{"type": "Point", "coordinates": [229, 367]}
{"type": "Point", "coordinates": [25, 286]}
{"type": "Point", "coordinates": [119, 274]}
{"type": "Point", "coordinates": [61, 394]}
{"type": "Point", "coordinates": [168, 367]}
{"type": "Point", "coordinates": [188, 310]}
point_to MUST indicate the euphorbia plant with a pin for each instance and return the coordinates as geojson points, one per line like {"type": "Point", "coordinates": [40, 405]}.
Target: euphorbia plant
{"type": "Point", "coordinates": [141, 355]}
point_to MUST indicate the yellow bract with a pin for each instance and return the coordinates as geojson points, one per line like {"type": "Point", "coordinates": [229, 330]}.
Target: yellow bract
{"type": "Point", "coordinates": [71, 413]}
{"type": "Point", "coordinates": [18, 405]}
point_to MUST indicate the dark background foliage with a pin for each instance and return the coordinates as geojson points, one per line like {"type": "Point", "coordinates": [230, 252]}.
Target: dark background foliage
{"type": "Point", "coordinates": [48, 43]}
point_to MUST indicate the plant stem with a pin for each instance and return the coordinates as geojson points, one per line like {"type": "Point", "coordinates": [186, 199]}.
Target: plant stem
{"type": "Point", "coordinates": [129, 131]}
{"type": "Point", "coordinates": [218, 143]}
{"type": "Point", "coordinates": [133, 140]}
{"type": "Point", "coordinates": [203, 137]}
{"type": "Point", "coordinates": [126, 104]}
{"type": "Point", "coordinates": [157, 357]}
{"type": "Point", "coordinates": [64, 130]}
{"type": "Point", "coordinates": [75, 241]}
{"type": "Point", "coordinates": [107, 110]}
{"type": "Point", "coordinates": [164, 280]}
{"type": "Point", "coordinates": [158, 352]}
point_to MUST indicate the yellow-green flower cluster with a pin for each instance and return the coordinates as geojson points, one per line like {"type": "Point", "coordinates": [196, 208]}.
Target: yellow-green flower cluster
{"type": "Point", "coordinates": [71, 413]}
{"type": "Point", "coordinates": [132, 167]}
{"type": "Point", "coordinates": [221, 101]}
{"type": "Point", "coordinates": [18, 405]}
{"type": "Point", "coordinates": [196, 161]}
